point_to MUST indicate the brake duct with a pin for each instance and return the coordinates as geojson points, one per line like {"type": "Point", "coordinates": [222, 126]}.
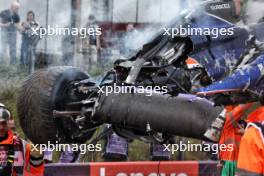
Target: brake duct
{"type": "Point", "coordinates": [183, 115]}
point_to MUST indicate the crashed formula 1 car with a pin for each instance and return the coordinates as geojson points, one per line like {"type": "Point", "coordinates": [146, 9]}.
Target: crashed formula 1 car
{"type": "Point", "coordinates": [65, 104]}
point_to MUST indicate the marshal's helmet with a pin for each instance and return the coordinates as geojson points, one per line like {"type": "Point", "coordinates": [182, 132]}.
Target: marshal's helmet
{"type": "Point", "coordinates": [4, 113]}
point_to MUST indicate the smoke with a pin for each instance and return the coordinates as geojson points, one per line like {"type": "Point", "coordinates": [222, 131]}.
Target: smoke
{"type": "Point", "coordinates": [58, 14]}
{"type": "Point", "coordinates": [152, 11]}
{"type": "Point", "coordinates": [124, 11]}
{"type": "Point", "coordinates": [254, 11]}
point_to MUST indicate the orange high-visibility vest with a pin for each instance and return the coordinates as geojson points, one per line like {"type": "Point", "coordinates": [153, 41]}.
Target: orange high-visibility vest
{"type": "Point", "coordinates": [230, 133]}
{"type": "Point", "coordinates": [29, 169]}
{"type": "Point", "coordinates": [251, 154]}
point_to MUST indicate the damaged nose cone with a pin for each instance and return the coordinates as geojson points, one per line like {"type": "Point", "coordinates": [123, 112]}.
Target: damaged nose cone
{"type": "Point", "coordinates": [184, 115]}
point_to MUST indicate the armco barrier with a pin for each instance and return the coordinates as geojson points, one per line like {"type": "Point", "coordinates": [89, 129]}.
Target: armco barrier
{"type": "Point", "coordinates": [173, 168]}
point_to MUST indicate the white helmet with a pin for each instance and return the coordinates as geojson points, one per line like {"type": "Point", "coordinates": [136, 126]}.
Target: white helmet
{"type": "Point", "coordinates": [4, 113]}
{"type": "Point", "coordinates": [2, 105]}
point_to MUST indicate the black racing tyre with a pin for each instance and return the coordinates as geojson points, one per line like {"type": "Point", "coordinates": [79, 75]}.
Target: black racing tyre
{"type": "Point", "coordinates": [41, 93]}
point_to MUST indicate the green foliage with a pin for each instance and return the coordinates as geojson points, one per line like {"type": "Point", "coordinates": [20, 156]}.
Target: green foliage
{"type": "Point", "coordinates": [10, 79]}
